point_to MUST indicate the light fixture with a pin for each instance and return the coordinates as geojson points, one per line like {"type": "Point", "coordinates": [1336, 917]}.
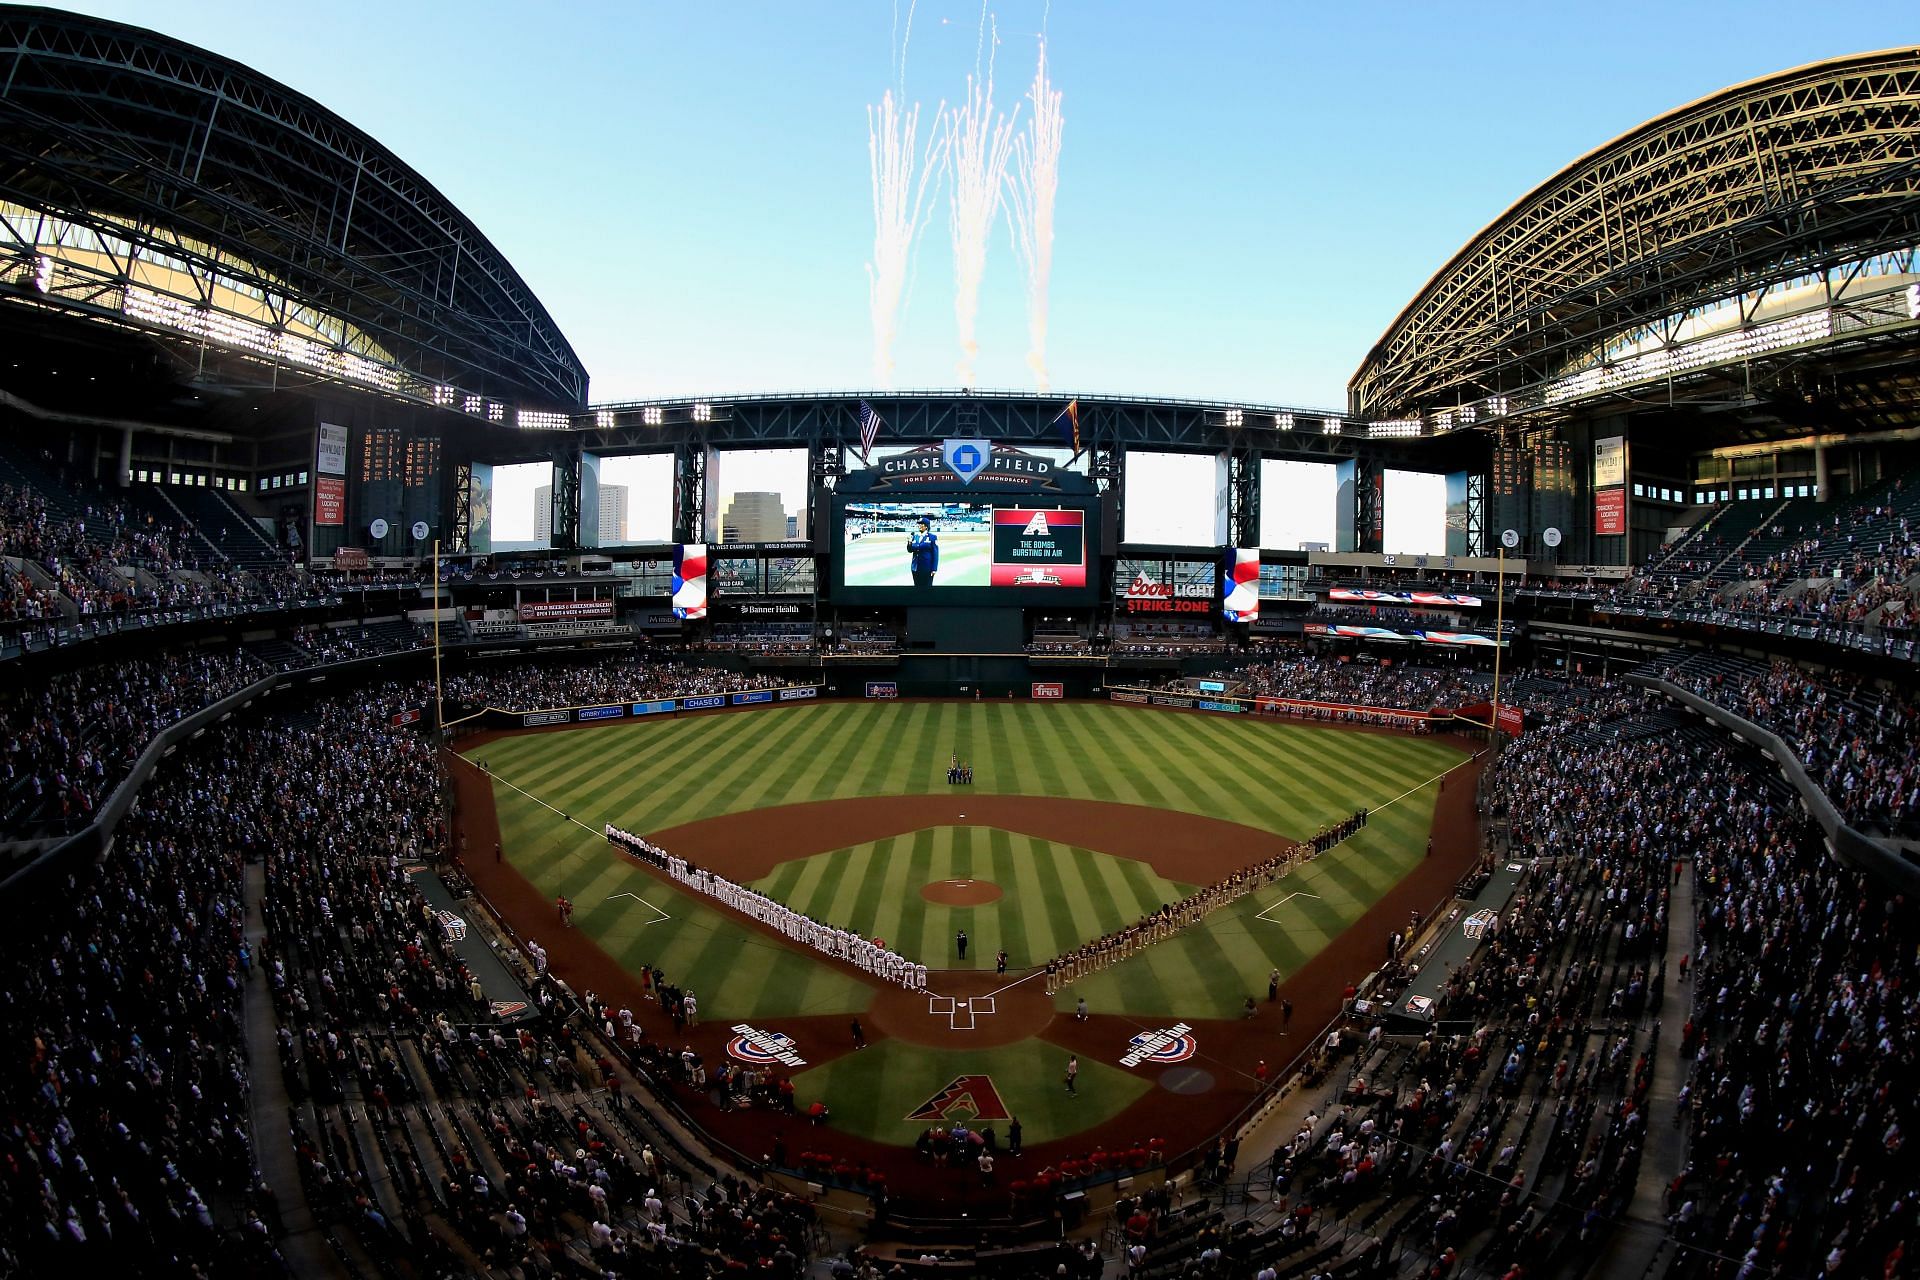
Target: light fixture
{"type": "Point", "coordinates": [1283, 421]}
{"type": "Point", "coordinates": [1330, 427]}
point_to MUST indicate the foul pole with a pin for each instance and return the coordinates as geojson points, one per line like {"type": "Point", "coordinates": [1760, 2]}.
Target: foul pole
{"type": "Point", "coordinates": [439, 707]}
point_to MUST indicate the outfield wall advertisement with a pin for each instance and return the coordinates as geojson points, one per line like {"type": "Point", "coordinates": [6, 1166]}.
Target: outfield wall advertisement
{"type": "Point", "coordinates": [658, 706]}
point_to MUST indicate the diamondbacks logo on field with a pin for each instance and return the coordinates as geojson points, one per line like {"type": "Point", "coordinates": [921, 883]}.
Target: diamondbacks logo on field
{"type": "Point", "coordinates": [762, 1048]}
{"type": "Point", "coordinates": [964, 1098]}
{"type": "Point", "coordinates": [504, 1009]}
{"type": "Point", "coordinates": [456, 927]}
{"type": "Point", "coordinates": [1169, 1044]}
{"type": "Point", "coordinates": [1037, 526]}
{"type": "Point", "coordinates": [1479, 922]}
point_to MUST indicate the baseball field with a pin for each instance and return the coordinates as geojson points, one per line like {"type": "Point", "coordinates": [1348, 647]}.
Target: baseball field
{"type": "Point", "coordinates": [880, 559]}
{"type": "Point", "coordinates": [1082, 818]}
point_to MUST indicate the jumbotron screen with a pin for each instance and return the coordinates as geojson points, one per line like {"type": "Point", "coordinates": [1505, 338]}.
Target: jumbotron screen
{"type": "Point", "coordinates": [923, 551]}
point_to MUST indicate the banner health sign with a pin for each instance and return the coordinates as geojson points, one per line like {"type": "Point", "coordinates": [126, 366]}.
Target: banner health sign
{"type": "Point", "coordinates": [601, 713]}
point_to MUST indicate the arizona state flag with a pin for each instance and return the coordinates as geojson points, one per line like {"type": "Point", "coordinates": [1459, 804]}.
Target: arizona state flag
{"type": "Point", "coordinates": [1067, 423]}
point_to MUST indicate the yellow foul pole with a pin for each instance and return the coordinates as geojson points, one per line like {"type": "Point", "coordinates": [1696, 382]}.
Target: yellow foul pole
{"type": "Point", "coordinates": [439, 707]}
{"type": "Point", "coordinates": [1499, 631]}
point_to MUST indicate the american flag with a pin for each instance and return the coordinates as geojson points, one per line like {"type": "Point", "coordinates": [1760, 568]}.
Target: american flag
{"type": "Point", "coordinates": [869, 428]}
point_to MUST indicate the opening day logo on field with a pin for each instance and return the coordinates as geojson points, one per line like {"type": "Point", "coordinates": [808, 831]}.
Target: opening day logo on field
{"type": "Point", "coordinates": [1169, 1044]}
{"type": "Point", "coordinates": [750, 1044]}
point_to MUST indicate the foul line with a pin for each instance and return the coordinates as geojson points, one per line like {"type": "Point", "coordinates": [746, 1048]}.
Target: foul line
{"type": "Point", "coordinates": [488, 773]}
{"type": "Point", "coordinates": [1420, 787]}
{"type": "Point", "coordinates": [658, 913]}
{"type": "Point", "coordinates": [1283, 902]}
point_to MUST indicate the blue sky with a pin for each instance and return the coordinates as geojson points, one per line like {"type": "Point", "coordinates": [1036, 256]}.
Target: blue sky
{"type": "Point", "coordinates": [1249, 192]}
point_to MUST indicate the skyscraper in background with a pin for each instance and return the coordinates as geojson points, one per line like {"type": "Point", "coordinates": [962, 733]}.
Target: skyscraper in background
{"type": "Point", "coordinates": [754, 517]}
{"type": "Point", "coordinates": [613, 514]}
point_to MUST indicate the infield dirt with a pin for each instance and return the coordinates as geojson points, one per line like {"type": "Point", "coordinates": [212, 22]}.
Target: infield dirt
{"type": "Point", "coordinates": [1181, 846]}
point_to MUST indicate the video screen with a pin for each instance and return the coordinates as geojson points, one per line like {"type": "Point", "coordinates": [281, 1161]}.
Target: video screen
{"type": "Point", "coordinates": [939, 546]}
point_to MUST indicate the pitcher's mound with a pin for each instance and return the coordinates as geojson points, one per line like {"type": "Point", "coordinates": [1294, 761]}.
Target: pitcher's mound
{"type": "Point", "coordinates": [961, 893]}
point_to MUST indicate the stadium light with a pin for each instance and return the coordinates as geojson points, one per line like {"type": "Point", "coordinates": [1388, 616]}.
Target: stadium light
{"type": "Point", "coordinates": [1283, 421]}
{"type": "Point", "coordinates": [443, 396]}
{"type": "Point", "coordinates": [496, 412]}
{"type": "Point", "coordinates": [475, 405]}
{"type": "Point", "coordinates": [604, 419]}
{"type": "Point", "coordinates": [1236, 418]}
{"type": "Point", "coordinates": [702, 411]}
{"type": "Point", "coordinates": [1395, 429]}
{"type": "Point", "coordinates": [1330, 427]}
{"type": "Point", "coordinates": [653, 415]}
{"type": "Point", "coordinates": [541, 420]}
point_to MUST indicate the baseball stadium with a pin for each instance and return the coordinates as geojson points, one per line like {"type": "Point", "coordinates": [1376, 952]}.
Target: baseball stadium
{"type": "Point", "coordinates": [454, 826]}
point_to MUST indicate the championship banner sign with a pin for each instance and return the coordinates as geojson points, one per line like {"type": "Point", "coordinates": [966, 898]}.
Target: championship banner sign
{"type": "Point", "coordinates": [1049, 692]}
{"type": "Point", "coordinates": [564, 610]}
{"type": "Point", "coordinates": [1362, 595]}
{"type": "Point", "coordinates": [883, 688]}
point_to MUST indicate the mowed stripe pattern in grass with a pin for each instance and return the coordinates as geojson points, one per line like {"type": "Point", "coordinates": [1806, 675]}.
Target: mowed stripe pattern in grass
{"type": "Point", "coordinates": [736, 971]}
{"type": "Point", "coordinates": [1208, 970]}
{"type": "Point", "coordinates": [1055, 896]}
{"type": "Point", "coordinates": [650, 774]}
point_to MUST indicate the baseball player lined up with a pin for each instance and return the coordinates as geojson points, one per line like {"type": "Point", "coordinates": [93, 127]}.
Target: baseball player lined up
{"type": "Point", "coordinates": [1160, 925]}
{"type": "Point", "coordinates": [871, 956]}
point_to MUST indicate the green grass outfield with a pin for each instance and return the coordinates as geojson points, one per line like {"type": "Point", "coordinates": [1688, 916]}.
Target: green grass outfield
{"type": "Point", "coordinates": [649, 774]}
{"type": "Point", "coordinates": [880, 560]}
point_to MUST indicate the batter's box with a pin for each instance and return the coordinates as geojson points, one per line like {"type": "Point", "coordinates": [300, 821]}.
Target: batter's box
{"type": "Point", "coordinates": [1283, 902]}
{"type": "Point", "coordinates": [959, 1013]}
{"type": "Point", "coordinates": [658, 914]}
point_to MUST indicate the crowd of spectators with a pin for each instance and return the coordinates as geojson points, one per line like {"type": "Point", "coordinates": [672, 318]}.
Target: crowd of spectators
{"type": "Point", "coordinates": [1373, 684]}
{"type": "Point", "coordinates": [71, 736]}
{"type": "Point", "coordinates": [1859, 743]}
{"type": "Point", "coordinates": [631, 677]}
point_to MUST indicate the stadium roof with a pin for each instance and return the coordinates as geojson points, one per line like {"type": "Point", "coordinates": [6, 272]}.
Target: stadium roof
{"type": "Point", "coordinates": [1803, 180]}
{"type": "Point", "coordinates": [153, 183]}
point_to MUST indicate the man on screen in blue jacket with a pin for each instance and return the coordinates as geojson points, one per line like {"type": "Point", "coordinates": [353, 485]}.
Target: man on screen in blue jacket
{"type": "Point", "coordinates": [923, 554]}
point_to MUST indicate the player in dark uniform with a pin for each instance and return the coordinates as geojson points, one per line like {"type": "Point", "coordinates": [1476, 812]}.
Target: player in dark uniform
{"type": "Point", "coordinates": [923, 554]}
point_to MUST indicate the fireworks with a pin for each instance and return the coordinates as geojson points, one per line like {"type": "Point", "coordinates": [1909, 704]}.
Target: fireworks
{"type": "Point", "coordinates": [978, 146]}
{"type": "Point", "coordinates": [1036, 180]}
{"type": "Point", "coordinates": [901, 176]}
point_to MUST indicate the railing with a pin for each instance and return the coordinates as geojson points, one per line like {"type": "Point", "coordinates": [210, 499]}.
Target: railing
{"type": "Point", "coordinates": [1850, 847]}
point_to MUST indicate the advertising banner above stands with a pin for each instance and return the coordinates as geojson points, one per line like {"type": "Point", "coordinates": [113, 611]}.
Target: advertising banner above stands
{"type": "Point", "coordinates": [965, 465]}
{"type": "Point", "coordinates": [656, 707]}
{"type": "Point", "coordinates": [1444, 599]}
{"type": "Point", "coordinates": [1344, 632]}
{"type": "Point", "coordinates": [329, 500]}
{"type": "Point", "coordinates": [1146, 596]}
{"type": "Point", "coordinates": [1610, 511]}
{"type": "Point", "coordinates": [1609, 462]}
{"type": "Point", "coordinates": [564, 610]}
